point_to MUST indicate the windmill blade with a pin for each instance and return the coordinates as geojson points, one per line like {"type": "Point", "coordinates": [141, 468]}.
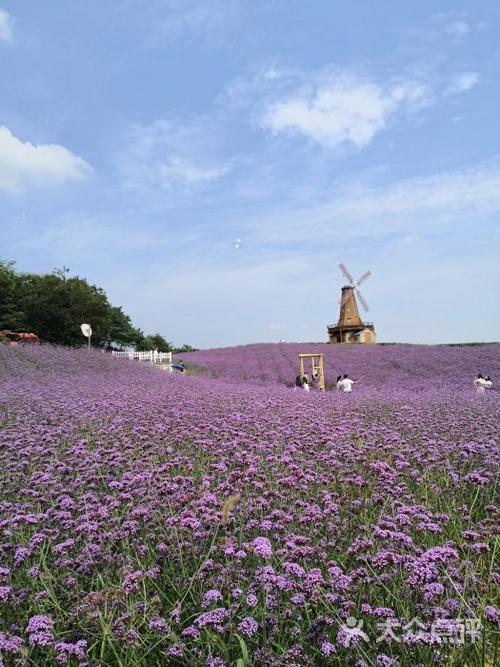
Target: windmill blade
{"type": "Point", "coordinates": [347, 295]}
{"type": "Point", "coordinates": [364, 277]}
{"type": "Point", "coordinates": [361, 300]}
{"type": "Point", "coordinates": [346, 273]}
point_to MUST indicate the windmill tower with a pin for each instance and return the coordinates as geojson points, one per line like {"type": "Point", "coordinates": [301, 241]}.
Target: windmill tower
{"type": "Point", "coordinates": [349, 314]}
{"type": "Point", "coordinates": [350, 328]}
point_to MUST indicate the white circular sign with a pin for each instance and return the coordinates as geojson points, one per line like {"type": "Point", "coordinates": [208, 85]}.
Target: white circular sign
{"type": "Point", "coordinates": [86, 330]}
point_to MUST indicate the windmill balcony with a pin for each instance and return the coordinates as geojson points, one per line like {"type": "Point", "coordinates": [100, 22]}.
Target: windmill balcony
{"type": "Point", "coordinates": [351, 326]}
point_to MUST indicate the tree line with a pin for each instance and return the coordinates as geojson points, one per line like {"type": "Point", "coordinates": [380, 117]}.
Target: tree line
{"type": "Point", "coordinates": [54, 306]}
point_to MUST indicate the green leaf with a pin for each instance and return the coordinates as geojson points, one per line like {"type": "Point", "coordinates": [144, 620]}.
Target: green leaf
{"type": "Point", "coordinates": [245, 659]}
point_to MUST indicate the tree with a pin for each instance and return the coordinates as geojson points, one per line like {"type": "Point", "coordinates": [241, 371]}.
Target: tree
{"type": "Point", "coordinates": [185, 348]}
{"type": "Point", "coordinates": [157, 342]}
{"type": "Point", "coordinates": [55, 305]}
{"type": "Point", "coordinates": [119, 330]}
{"type": "Point", "coordinates": [11, 313]}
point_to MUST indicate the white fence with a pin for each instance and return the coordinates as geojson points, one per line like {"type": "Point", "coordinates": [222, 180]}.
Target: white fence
{"type": "Point", "coordinates": [153, 356]}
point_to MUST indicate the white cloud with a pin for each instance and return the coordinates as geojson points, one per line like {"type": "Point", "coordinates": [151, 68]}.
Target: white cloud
{"type": "Point", "coordinates": [178, 171]}
{"type": "Point", "coordinates": [346, 108]}
{"type": "Point", "coordinates": [5, 26]}
{"type": "Point", "coordinates": [46, 164]}
{"type": "Point", "coordinates": [177, 168]}
{"type": "Point", "coordinates": [335, 107]}
{"type": "Point", "coordinates": [412, 205]}
{"type": "Point", "coordinates": [463, 82]}
{"type": "Point", "coordinates": [171, 154]}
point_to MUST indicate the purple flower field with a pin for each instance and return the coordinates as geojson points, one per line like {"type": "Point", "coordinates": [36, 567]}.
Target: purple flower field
{"type": "Point", "coordinates": [415, 367]}
{"type": "Point", "coordinates": [150, 519]}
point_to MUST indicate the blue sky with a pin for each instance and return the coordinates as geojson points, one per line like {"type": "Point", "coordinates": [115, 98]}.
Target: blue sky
{"type": "Point", "coordinates": [210, 162]}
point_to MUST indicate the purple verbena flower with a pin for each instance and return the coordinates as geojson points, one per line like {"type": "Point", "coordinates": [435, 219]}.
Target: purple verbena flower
{"type": "Point", "coordinates": [248, 626]}
{"type": "Point", "coordinates": [262, 547]}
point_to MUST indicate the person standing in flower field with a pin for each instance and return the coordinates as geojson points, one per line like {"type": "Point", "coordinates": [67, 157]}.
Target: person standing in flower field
{"type": "Point", "coordinates": [339, 383]}
{"type": "Point", "coordinates": [298, 382]}
{"type": "Point", "coordinates": [480, 384]}
{"type": "Point", "coordinates": [487, 382]}
{"type": "Point", "coordinates": [305, 383]}
{"type": "Point", "coordinates": [347, 384]}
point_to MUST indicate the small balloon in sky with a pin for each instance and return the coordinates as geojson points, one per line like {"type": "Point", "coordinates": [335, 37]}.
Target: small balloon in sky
{"type": "Point", "coordinates": [237, 243]}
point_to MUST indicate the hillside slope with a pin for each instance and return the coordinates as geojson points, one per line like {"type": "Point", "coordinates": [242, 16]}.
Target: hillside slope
{"type": "Point", "coordinates": [415, 367]}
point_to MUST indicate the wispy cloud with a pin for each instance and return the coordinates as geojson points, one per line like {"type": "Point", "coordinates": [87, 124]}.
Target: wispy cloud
{"type": "Point", "coordinates": [421, 205]}
{"type": "Point", "coordinates": [6, 26]}
{"type": "Point", "coordinates": [195, 22]}
{"type": "Point", "coordinates": [453, 28]}
{"type": "Point", "coordinates": [178, 169]}
{"type": "Point", "coordinates": [454, 25]}
{"type": "Point", "coordinates": [457, 29]}
{"type": "Point", "coordinates": [23, 163]}
{"type": "Point", "coordinates": [463, 82]}
{"type": "Point", "coordinates": [198, 17]}
{"type": "Point", "coordinates": [169, 154]}
{"type": "Point", "coordinates": [331, 107]}
{"type": "Point", "coordinates": [78, 233]}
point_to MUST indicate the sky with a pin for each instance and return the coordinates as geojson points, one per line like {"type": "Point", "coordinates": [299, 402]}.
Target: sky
{"type": "Point", "coordinates": [210, 163]}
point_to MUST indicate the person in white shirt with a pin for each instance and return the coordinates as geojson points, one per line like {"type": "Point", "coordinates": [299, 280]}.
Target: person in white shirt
{"type": "Point", "coordinates": [347, 384]}
{"type": "Point", "coordinates": [487, 382]}
{"type": "Point", "coordinates": [339, 383]}
{"type": "Point", "coordinates": [305, 383]}
{"type": "Point", "coordinates": [480, 384]}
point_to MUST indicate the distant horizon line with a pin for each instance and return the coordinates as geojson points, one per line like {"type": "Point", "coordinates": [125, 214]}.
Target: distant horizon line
{"type": "Point", "coordinates": [298, 342]}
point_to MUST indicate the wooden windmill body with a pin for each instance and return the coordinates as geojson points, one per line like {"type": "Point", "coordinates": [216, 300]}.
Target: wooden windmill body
{"type": "Point", "coordinates": [350, 328]}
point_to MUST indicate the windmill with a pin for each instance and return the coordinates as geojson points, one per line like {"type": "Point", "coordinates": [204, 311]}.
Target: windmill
{"type": "Point", "coordinates": [350, 327]}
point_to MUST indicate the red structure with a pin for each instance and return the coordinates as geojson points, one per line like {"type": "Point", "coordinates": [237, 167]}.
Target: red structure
{"type": "Point", "coordinates": [19, 336]}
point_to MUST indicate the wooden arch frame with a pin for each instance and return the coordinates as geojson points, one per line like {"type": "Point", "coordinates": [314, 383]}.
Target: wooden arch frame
{"type": "Point", "coordinates": [317, 368]}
